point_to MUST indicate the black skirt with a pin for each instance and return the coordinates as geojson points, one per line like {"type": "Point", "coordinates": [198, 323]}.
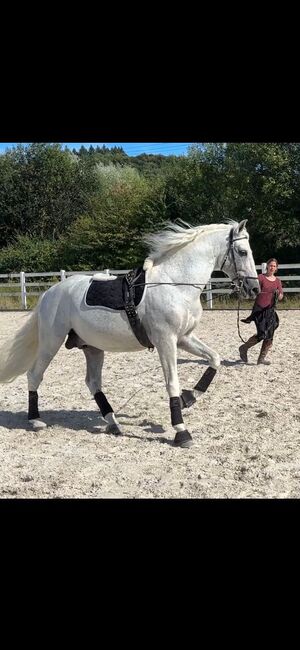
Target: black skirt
{"type": "Point", "coordinates": [266, 321]}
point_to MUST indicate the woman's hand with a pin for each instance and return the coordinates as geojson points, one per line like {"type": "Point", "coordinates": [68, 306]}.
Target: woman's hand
{"type": "Point", "coordinates": [278, 296]}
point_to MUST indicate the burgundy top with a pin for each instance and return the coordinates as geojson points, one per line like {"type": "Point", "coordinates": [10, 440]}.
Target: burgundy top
{"type": "Point", "coordinates": [267, 287]}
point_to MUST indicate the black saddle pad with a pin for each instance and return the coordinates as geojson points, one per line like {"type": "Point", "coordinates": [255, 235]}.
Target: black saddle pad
{"type": "Point", "coordinates": [110, 293]}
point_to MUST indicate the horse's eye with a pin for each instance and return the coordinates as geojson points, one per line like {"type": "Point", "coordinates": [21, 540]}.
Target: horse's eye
{"type": "Point", "coordinates": [242, 253]}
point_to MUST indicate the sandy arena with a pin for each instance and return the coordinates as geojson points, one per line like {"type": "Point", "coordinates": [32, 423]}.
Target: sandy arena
{"type": "Point", "coordinates": [245, 428]}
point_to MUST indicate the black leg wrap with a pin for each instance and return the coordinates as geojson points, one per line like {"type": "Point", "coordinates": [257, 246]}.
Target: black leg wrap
{"type": "Point", "coordinates": [187, 399]}
{"type": "Point", "coordinates": [33, 411]}
{"type": "Point", "coordinates": [103, 404]}
{"type": "Point", "coordinates": [175, 407]}
{"type": "Point", "coordinates": [183, 439]}
{"type": "Point", "coordinates": [205, 380]}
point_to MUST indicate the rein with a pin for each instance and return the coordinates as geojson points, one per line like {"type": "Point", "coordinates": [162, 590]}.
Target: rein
{"type": "Point", "coordinates": [198, 286]}
{"type": "Point", "coordinates": [238, 318]}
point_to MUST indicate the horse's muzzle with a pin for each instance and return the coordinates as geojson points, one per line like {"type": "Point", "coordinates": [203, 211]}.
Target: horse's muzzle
{"type": "Point", "coordinates": [249, 287]}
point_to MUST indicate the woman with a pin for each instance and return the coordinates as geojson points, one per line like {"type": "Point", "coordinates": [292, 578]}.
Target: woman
{"type": "Point", "coordinates": [263, 313]}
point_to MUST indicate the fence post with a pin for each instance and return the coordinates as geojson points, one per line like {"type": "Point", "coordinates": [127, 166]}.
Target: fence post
{"type": "Point", "coordinates": [263, 267]}
{"type": "Point", "coordinates": [23, 290]}
{"type": "Point", "coordinates": [209, 295]}
{"type": "Point", "coordinates": [62, 275]}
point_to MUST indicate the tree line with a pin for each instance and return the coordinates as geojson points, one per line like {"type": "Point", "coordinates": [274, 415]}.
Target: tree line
{"type": "Point", "coordinates": [87, 209]}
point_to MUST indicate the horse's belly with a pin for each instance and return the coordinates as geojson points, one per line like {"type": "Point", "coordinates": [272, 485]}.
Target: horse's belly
{"type": "Point", "coordinates": [106, 330]}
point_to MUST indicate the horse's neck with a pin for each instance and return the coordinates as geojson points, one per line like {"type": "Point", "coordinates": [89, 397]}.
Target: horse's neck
{"type": "Point", "coordinates": [192, 264]}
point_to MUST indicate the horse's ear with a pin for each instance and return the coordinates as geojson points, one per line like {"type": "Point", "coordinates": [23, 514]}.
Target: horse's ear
{"type": "Point", "coordinates": [242, 225]}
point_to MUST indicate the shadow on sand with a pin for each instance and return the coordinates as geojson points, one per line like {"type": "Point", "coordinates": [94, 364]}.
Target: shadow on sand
{"type": "Point", "coordinates": [89, 421]}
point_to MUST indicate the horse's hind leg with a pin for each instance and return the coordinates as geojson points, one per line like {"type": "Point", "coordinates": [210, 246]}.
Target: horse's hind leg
{"type": "Point", "coordinates": [35, 377]}
{"type": "Point", "coordinates": [94, 364]}
{"type": "Point", "coordinates": [193, 345]}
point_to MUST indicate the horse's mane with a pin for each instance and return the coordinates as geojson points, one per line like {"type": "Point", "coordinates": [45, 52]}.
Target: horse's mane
{"type": "Point", "coordinates": [174, 236]}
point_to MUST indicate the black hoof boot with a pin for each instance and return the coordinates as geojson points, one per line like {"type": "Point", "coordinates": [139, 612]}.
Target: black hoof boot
{"type": "Point", "coordinates": [183, 439]}
{"type": "Point", "coordinates": [187, 399]}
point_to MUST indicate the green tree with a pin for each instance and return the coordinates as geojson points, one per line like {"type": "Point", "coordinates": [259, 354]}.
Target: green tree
{"type": "Point", "coordinates": [126, 205]}
{"type": "Point", "coordinates": [258, 181]}
{"type": "Point", "coordinates": [42, 190]}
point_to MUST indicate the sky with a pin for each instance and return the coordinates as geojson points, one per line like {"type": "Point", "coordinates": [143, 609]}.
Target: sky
{"type": "Point", "coordinates": [131, 148]}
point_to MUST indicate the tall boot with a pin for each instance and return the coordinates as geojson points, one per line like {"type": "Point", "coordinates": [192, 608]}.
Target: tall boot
{"type": "Point", "coordinates": [249, 344]}
{"type": "Point", "coordinates": [265, 348]}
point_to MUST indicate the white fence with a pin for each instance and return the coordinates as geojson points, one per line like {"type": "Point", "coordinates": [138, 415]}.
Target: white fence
{"type": "Point", "coordinates": [259, 267]}
{"type": "Point", "coordinates": [22, 287]}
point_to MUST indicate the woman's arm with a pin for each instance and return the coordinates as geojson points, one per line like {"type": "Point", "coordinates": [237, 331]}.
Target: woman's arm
{"type": "Point", "coordinates": [280, 290]}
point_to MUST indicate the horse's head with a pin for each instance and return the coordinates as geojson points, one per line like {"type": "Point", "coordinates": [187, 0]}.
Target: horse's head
{"type": "Point", "coordinates": [238, 262]}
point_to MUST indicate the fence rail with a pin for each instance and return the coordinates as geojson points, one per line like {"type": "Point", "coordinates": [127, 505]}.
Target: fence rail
{"type": "Point", "coordinates": [23, 288]}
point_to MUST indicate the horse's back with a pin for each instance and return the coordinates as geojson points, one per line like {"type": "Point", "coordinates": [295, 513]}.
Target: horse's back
{"type": "Point", "coordinates": [55, 305]}
{"type": "Point", "coordinates": [64, 307]}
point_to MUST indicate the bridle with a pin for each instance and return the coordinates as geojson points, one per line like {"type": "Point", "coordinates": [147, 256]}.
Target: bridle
{"type": "Point", "coordinates": [238, 276]}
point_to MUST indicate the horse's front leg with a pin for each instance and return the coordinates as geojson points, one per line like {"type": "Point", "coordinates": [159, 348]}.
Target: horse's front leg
{"type": "Point", "coordinates": [193, 345]}
{"type": "Point", "coordinates": [167, 351]}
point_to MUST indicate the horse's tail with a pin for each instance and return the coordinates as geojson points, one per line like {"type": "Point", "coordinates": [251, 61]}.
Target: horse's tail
{"type": "Point", "coordinates": [17, 355]}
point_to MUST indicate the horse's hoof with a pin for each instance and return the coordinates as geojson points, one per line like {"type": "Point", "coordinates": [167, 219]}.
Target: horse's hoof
{"type": "Point", "coordinates": [185, 445]}
{"type": "Point", "coordinates": [112, 428]}
{"type": "Point", "coordinates": [37, 424]}
{"type": "Point", "coordinates": [183, 439]}
{"type": "Point", "coordinates": [187, 399]}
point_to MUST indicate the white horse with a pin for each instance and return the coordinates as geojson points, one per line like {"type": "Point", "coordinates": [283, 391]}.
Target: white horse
{"type": "Point", "coordinates": [180, 263]}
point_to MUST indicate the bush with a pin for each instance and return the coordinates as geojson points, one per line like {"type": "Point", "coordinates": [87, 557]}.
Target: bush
{"type": "Point", "coordinates": [29, 255]}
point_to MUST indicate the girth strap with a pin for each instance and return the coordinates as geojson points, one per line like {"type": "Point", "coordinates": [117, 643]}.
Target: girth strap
{"type": "Point", "coordinates": [135, 323]}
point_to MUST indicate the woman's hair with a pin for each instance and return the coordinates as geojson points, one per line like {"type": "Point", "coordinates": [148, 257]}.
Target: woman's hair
{"type": "Point", "coordinates": [272, 259]}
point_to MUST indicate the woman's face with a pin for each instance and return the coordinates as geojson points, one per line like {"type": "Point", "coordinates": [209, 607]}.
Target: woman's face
{"type": "Point", "coordinates": [272, 267]}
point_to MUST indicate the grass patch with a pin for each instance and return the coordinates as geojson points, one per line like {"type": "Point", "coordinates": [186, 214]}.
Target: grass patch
{"type": "Point", "coordinates": [227, 302]}
{"type": "Point", "coordinates": [13, 303]}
